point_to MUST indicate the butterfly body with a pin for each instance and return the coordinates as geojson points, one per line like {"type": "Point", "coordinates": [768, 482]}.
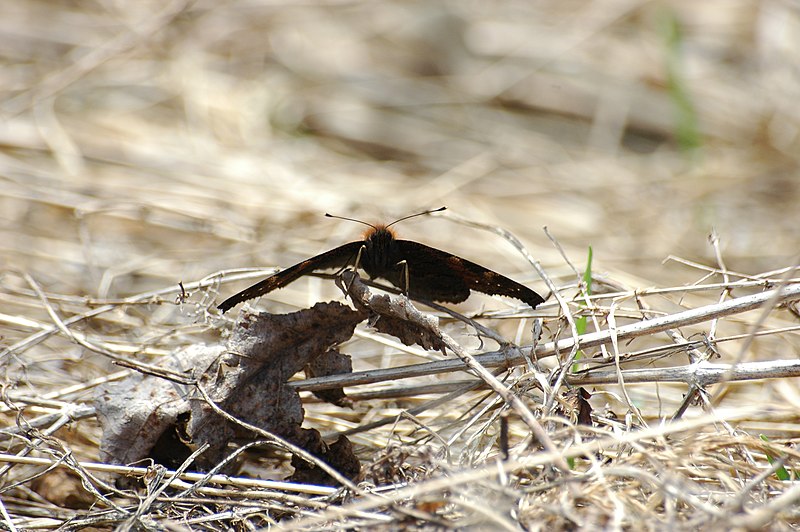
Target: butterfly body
{"type": "Point", "coordinates": [380, 254]}
{"type": "Point", "coordinates": [420, 271]}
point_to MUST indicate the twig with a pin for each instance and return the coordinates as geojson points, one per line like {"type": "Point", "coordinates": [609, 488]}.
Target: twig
{"type": "Point", "coordinates": [403, 309]}
{"type": "Point", "coordinates": [139, 472]}
{"type": "Point", "coordinates": [503, 358]}
{"type": "Point", "coordinates": [774, 300]}
{"type": "Point", "coordinates": [566, 363]}
{"type": "Point", "coordinates": [81, 340]}
{"type": "Point", "coordinates": [280, 442]}
{"type": "Point", "coordinates": [489, 470]}
{"type": "Point", "coordinates": [444, 399]}
{"type": "Point", "coordinates": [700, 374]}
{"type": "Point", "coordinates": [144, 506]}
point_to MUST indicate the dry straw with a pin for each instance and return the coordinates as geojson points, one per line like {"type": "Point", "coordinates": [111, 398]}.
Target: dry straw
{"type": "Point", "coordinates": [158, 157]}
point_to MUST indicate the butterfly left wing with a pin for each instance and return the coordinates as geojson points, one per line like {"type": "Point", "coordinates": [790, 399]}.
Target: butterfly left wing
{"type": "Point", "coordinates": [335, 258]}
{"type": "Point", "coordinates": [440, 276]}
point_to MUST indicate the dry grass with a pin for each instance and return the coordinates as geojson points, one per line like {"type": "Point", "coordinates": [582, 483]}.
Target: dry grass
{"type": "Point", "coordinates": [147, 143]}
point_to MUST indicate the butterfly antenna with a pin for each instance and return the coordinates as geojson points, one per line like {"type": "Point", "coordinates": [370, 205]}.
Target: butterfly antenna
{"type": "Point", "coordinates": [350, 220]}
{"type": "Point", "coordinates": [414, 215]}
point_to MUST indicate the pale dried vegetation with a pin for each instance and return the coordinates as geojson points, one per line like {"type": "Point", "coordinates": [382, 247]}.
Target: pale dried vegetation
{"type": "Point", "coordinates": [150, 143]}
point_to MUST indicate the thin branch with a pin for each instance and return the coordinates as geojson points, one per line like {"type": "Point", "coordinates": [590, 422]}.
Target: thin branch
{"type": "Point", "coordinates": [593, 339]}
{"type": "Point", "coordinates": [700, 374]}
{"type": "Point", "coordinates": [139, 472]}
{"type": "Point", "coordinates": [403, 309]}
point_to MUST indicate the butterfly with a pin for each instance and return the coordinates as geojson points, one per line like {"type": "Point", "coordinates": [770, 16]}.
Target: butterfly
{"type": "Point", "coordinates": [420, 271]}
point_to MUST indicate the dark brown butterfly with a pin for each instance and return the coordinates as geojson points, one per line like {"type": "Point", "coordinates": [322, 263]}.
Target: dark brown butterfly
{"type": "Point", "coordinates": [420, 271]}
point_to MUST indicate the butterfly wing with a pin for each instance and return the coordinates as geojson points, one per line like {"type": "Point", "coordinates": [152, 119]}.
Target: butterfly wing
{"type": "Point", "coordinates": [335, 258]}
{"type": "Point", "coordinates": [440, 276]}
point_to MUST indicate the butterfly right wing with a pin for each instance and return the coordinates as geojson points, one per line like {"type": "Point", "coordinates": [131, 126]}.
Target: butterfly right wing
{"type": "Point", "coordinates": [440, 276]}
{"type": "Point", "coordinates": [335, 258]}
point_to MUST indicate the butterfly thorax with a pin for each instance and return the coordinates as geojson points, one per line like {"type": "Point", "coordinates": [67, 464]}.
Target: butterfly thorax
{"type": "Point", "coordinates": [379, 255]}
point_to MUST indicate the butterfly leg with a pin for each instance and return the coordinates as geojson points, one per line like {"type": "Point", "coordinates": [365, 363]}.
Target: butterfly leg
{"type": "Point", "coordinates": [356, 264]}
{"type": "Point", "coordinates": [406, 282]}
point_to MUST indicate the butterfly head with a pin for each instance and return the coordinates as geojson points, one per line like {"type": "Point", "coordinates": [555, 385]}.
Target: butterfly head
{"type": "Point", "coordinates": [381, 256]}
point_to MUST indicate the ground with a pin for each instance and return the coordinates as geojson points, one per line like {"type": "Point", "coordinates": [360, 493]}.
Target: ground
{"type": "Point", "coordinates": [147, 144]}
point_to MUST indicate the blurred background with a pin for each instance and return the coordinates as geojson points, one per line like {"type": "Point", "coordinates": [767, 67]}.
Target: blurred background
{"type": "Point", "coordinates": [148, 142]}
{"type": "Point", "coordinates": [143, 143]}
